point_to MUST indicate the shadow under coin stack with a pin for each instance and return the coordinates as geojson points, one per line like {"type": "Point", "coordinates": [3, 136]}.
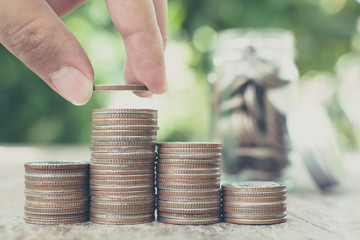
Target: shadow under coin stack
{"type": "Point", "coordinates": [254, 202]}
{"type": "Point", "coordinates": [188, 183]}
{"type": "Point", "coordinates": [122, 166]}
{"type": "Point", "coordinates": [56, 192]}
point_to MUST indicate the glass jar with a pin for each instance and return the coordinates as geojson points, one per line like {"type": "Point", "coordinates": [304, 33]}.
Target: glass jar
{"type": "Point", "coordinates": [252, 88]}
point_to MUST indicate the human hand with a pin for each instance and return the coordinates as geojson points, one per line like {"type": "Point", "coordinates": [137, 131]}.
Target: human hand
{"type": "Point", "coordinates": [34, 33]}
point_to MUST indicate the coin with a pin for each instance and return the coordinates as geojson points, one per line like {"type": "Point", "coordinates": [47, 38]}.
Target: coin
{"type": "Point", "coordinates": [123, 161]}
{"type": "Point", "coordinates": [189, 181]}
{"type": "Point", "coordinates": [126, 155]}
{"type": "Point", "coordinates": [51, 216]}
{"type": "Point", "coordinates": [57, 210]}
{"type": "Point", "coordinates": [189, 199]}
{"type": "Point", "coordinates": [189, 216]}
{"type": "Point", "coordinates": [127, 167]}
{"type": "Point", "coordinates": [189, 161]}
{"type": "Point", "coordinates": [187, 166]}
{"type": "Point", "coordinates": [60, 194]}
{"type": "Point", "coordinates": [126, 127]}
{"type": "Point", "coordinates": [117, 199]}
{"type": "Point", "coordinates": [137, 193]}
{"type": "Point", "coordinates": [122, 143]}
{"type": "Point", "coordinates": [255, 222]}
{"type": "Point", "coordinates": [123, 177]}
{"type": "Point", "coordinates": [125, 121]}
{"type": "Point", "coordinates": [56, 165]}
{"type": "Point", "coordinates": [253, 210]}
{"type": "Point", "coordinates": [120, 188]}
{"type": "Point", "coordinates": [187, 171]}
{"type": "Point", "coordinates": [120, 216]}
{"type": "Point", "coordinates": [122, 206]}
{"type": "Point", "coordinates": [255, 216]}
{"type": "Point", "coordinates": [187, 176]}
{"type": "Point", "coordinates": [55, 199]}
{"type": "Point", "coordinates": [253, 186]}
{"type": "Point", "coordinates": [124, 110]}
{"type": "Point", "coordinates": [55, 221]}
{"type": "Point", "coordinates": [116, 149]}
{"type": "Point", "coordinates": [55, 183]}
{"type": "Point", "coordinates": [190, 211]}
{"type": "Point", "coordinates": [121, 182]}
{"type": "Point", "coordinates": [56, 178]}
{"type": "Point", "coordinates": [123, 116]}
{"type": "Point", "coordinates": [120, 172]}
{"type": "Point", "coordinates": [253, 199]}
{"type": "Point", "coordinates": [123, 211]}
{"type": "Point", "coordinates": [254, 194]}
{"type": "Point", "coordinates": [189, 145]}
{"type": "Point", "coordinates": [189, 150]}
{"type": "Point", "coordinates": [187, 186]}
{"type": "Point", "coordinates": [189, 156]}
{"type": "Point", "coordinates": [188, 205]}
{"type": "Point", "coordinates": [255, 204]}
{"type": "Point", "coordinates": [189, 222]}
{"type": "Point", "coordinates": [57, 188]}
{"type": "Point", "coordinates": [123, 133]}
{"type": "Point", "coordinates": [122, 138]}
{"type": "Point", "coordinates": [122, 222]}
{"type": "Point", "coordinates": [190, 193]}
{"type": "Point", "coordinates": [115, 87]}
{"type": "Point", "coordinates": [56, 204]}
{"type": "Point", "coordinates": [78, 171]}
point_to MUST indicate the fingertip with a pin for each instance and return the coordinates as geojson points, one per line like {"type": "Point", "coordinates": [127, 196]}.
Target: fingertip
{"type": "Point", "coordinates": [72, 84]}
{"type": "Point", "coordinates": [156, 83]}
{"type": "Point", "coordinates": [146, 94]}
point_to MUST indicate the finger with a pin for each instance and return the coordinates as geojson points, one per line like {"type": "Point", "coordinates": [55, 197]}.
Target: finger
{"type": "Point", "coordinates": [132, 80]}
{"type": "Point", "coordinates": [64, 6]}
{"type": "Point", "coordinates": [136, 22]}
{"type": "Point", "coordinates": [33, 33]}
{"type": "Point", "coordinates": [161, 16]}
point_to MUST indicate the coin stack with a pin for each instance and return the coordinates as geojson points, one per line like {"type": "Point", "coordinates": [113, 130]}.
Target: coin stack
{"type": "Point", "coordinates": [56, 192]}
{"type": "Point", "coordinates": [122, 166]}
{"type": "Point", "coordinates": [188, 183]}
{"type": "Point", "coordinates": [254, 202]}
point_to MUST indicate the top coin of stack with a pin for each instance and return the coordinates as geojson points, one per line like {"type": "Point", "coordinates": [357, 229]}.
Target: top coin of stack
{"type": "Point", "coordinates": [188, 183]}
{"type": "Point", "coordinates": [254, 202]}
{"type": "Point", "coordinates": [56, 192]}
{"type": "Point", "coordinates": [122, 166]}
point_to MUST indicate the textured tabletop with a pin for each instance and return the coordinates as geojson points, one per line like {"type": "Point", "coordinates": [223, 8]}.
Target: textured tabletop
{"type": "Point", "coordinates": [311, 214]}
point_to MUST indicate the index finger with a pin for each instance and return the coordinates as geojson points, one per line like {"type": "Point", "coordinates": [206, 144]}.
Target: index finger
{"type": "Point", "coordinates": [136, 21]}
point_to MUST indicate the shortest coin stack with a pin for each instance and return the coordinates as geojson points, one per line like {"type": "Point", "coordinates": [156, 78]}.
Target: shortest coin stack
{"type": "Point", "coordinates": [56, 192]}
{"type": "Point", "coordinates": [254, 202]}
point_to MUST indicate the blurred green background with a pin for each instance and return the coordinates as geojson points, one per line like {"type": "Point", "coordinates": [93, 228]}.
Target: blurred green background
{"type": "Point", "coordinates": [324, 30]}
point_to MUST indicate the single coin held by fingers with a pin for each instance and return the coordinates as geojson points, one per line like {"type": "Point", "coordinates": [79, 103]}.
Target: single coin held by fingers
{"type": "Point", "coordinates": [114, 87]}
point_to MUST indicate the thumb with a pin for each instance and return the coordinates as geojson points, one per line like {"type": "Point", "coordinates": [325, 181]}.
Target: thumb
{"type": "Point", "coordinates": [34, 34]}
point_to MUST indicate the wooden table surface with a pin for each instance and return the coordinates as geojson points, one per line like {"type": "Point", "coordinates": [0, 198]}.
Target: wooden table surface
{"type": "Point", "coordinates": [311, 214]}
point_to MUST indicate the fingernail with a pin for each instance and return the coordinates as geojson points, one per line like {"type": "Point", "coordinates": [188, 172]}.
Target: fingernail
{"type": "Point", "coordinates": [145, 94]}
{"type": "Point", "coordinates": [72, 84]}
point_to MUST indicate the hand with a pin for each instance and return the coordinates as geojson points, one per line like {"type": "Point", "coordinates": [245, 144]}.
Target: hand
{"type": "Point", "coordinates": [34, 33]}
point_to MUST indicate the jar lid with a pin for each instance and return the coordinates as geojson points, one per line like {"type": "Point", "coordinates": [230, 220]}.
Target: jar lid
{"type": "Point", "coordinates": [313, 136]}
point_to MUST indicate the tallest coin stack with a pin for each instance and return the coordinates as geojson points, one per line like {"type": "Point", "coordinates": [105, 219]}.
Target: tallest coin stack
{"type": "Point", "coordinates": [122, 166]}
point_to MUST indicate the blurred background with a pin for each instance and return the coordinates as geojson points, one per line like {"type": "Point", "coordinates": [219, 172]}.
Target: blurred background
{"type": "Point", "coordinates": [327, 43]}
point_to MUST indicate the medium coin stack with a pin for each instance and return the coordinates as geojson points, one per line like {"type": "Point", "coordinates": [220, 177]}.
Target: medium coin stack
{"type": "Point", "coordinates": [188, 183]}
{"type": "Point", "coordinates": [56, 192]}
{"type": "Point", "coordinates": [122, 166]}
{"type": "Point", "coordinates": [254, 202]}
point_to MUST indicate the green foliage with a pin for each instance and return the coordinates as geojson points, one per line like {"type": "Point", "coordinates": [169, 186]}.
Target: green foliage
{"type": "Point", "coordinates": [30, 112]}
